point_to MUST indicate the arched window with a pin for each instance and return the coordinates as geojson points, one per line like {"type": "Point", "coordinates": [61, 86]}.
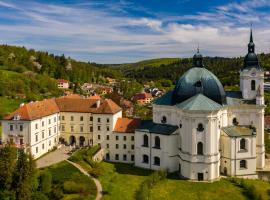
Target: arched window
{"type": "Point", "coordinates": [200, 148]}
{"type": "Point", "coordinates": [145, 140]}
{"type": "Point", "coordinates": [243, 145]}
{"type": "Point", "coordinates": [253, 85]}
{"type": "Point", "coordinates": [163, 119]}
{"type": "Point", "coordinates": [200, 127]}
{"type": "Point", "coordinates": [234, 121]}
{"type": "Point", "coordinates": [243, 164]}
{"type": "Point", "coordinates": [157, 142]}
{"type": "Point", "coordinates": [156, 161]}
{"type": "Point", "coordinates": [145, 158]}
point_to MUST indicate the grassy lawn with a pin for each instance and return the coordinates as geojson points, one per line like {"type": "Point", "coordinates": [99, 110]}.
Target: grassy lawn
{"type": "Point", "coordinates": [121, 181]}
{"type": "Point", "coordinates": [71, 182]}
{"type": "Point", "coordinates": [8, 105]}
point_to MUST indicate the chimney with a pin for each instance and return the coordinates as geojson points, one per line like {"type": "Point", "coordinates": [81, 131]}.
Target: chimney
{"type": "Point", "coordinates": [98, 103]}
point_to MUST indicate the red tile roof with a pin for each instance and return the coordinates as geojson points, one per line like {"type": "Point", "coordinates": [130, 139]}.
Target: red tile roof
{"type": "Point", "coordinates": [62, 81]}
{"type": "Point", "coordinates": [35, 110]}
{"type": "Point", "coordinates": [44, 108]}
{"type": "Point", "coordinates": [140, 96]}
{"type": "Point", "coordinates": [126, 125]}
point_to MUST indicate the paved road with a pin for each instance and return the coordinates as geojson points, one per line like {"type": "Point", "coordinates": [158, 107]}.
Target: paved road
{"type": "Point", "coordinates": [98, 184]}
{"type": "Point", "coordinates": [53, 157]}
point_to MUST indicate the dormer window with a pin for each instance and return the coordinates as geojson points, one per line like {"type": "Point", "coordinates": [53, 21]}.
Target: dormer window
{"type": "Point", "coordinates": [200, 127]}
{"type": "Point", "coordinates": [163, 119]}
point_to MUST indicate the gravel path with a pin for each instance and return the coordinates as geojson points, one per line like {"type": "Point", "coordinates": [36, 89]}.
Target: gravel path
{"type": "Point", "coordinates": [98, 184]}
{"type": "Point", "coordinates": [54, 157]}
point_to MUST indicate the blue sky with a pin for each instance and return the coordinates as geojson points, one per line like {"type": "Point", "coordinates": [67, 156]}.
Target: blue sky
{"type": "Point", "coordinates": [118, 31]}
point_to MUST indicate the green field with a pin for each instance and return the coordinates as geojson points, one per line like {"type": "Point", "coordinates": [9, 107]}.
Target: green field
{"type": "Point", "coordinates": [69, 181]}
{"type": "Point", "coordinates": [123, 181]}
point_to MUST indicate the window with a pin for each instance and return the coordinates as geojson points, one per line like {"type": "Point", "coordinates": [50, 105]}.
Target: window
{"type": "Point", "coordinates": [99, 128]}
{"type": "Point", "coordinates": [116, 146]}
{"type": "Point", "coordinates": [243, 144]}
{"type": "Point", "coordinates": [43, 146]}
{"type": "Point", "coordinates": [71, 118]}
{"type": "Point", "coordinates": [91, 118]}
{"type": "Point", "coordinates": [36, 149]}
{"type": "Point", "coordinates": [145, 140]}
{"type": "Point", "coordinates": [235, 122]}
{"type": "Point", "coordinates": [243, 164]}
{"type": "Point", "coordinates": [125, 138]}
{"type": "Point", "coordinates": [108, 120]}
{"type": "Point", "coordinates": [36, 126]}
{"type": "Point", "coordinates": [11, 127]}
{"type": "Point", "coordinates": [180, 125]}
{"type": "Point", "coordinates": [42, 134]}
{"type": "Point", "coordinates": [81, 128]}
{"type": "Point", "coordinates": [132, 146]}
{"type": "Point", "coordinates": [200, 148]}
{"type": "Point", "coordinates": [117, 137]}
{"type": "Point", "coordinates": [132, 138]}
{"type": "Point", "coordinates": [54, 119]}
{"type": "Point", "coordinates": [36, 137]}
{"type": "Point", "coordinates": [49, 132]}
{"type": "Point", "coordinates": [21, 127]}
{"type": "Point", "coordinates": [124, 157]}
{"type": "Point", "coordinates": [124, 146]}
{"type": "Point", "coordinates": [108, 146]}
{"type": "Point", "coordinates": [132, 157]}
{"type": "Point", "coordinates": [157, 142]}
{"type": "Point", "coordinates": [72, 128]}
{"type": "Point", "coordinates": [63, 118]}
{"type": "Point", "coordinates": [156, 161]}
{"type": "Point", "coordinates": [116, 157]}
{"type": "Point", "coordinates": [99, 120]}
{"type": "Point", "coordinates": [253, 85]}
{"type": "Point", "coordinates": [163, 119]}
{"type": "Point", "coordinates": [49, 142]}
{"type": "Point", "coordinates": [49, 121]}
{"type": "Point", "coordinates": [200, 127]}
{"type": "Point", "coordinates": [145, 158]}
{"type": "Point", "coordinates": [81, 118]}
{"type": "Point", "coordinates": [99, 137]}
{"type": "Point", "coordinates": [107, 137]}
{"type": "Point", "coordinates": [21, 141]}
{"type": "Point", "coordinates": [107, 156]}
{"type": "Point", "coordinates": [42, 123]}
{"type": "Point", "coordinates": [108, 128]}
{"type": "Point", "coordinates": [91, 128]}
{"type": "Point", "coordinates": [63, 127]}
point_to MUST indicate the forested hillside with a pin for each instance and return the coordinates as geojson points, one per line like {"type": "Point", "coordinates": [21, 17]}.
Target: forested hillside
{"type": "Point", "coordinates": [19, 59]}
{"type": "Point", "coordinates": [226, 69]}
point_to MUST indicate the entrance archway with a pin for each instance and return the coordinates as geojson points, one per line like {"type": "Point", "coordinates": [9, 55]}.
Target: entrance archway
{"type": "Point", "coordinates": [225, 171]}
{"type": "Point", "coordinates": [72, 140]}
{"type": "Point", "coordinates": [82, 140]}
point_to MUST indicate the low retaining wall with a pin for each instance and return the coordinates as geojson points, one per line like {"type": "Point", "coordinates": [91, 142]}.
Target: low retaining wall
{"type": "Point", "coordinates": [99, 155]}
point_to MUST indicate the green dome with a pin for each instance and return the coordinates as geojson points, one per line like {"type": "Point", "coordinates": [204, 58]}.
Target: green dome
{"type": "Point", "coordinates": [198, 80]}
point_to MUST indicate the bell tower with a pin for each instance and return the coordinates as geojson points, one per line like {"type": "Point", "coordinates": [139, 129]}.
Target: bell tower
{"type": "Point", "coordinates": [251, 75]}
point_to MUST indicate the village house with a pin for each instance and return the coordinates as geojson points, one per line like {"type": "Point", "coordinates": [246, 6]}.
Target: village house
{"type": "Point", "coordinates": [143, 98]}
{"type": "Point", "coordinates": [62, 84]}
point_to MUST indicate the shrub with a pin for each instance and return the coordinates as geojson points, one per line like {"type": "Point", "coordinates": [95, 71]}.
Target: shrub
{"type": "Point", "coordinates": [72, 187]}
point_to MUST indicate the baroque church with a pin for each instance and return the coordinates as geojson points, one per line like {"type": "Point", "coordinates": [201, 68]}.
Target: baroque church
{"type": "Point", "coordinates": [203, 131]}
{"type": "Point", "coordinates": [198, 129]}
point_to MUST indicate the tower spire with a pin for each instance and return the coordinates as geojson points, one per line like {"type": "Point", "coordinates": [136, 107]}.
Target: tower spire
{"type": "Point", "coordinates": [251, 36]}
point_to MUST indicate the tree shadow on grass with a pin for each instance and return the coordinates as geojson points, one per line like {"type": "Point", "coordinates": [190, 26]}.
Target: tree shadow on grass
{"type": "Point", "coordinates": [130, 169]}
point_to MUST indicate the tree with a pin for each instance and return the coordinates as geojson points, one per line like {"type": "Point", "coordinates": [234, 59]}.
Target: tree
{"type": "Point", "coordinates": [46, 182]}
{"type": "Point", "coordinates": [24, 176]}
{"type": "Point", "coordinates": [7, 165]}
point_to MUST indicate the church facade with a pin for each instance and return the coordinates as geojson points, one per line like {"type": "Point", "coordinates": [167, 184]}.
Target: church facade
{"type": "Point", "coordinates": [202, 131]}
